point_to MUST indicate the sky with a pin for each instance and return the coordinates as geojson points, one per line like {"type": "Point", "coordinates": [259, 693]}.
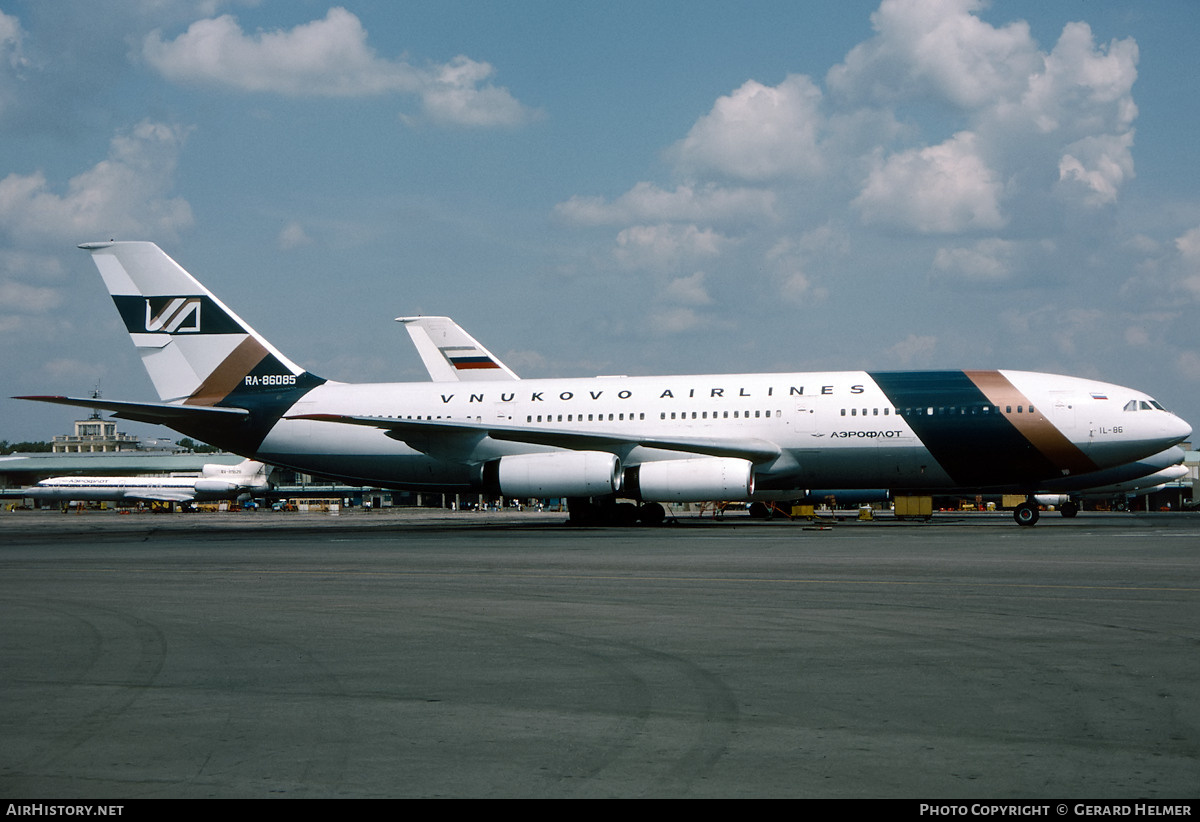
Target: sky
{"type": "Point", "coordinates": [610, 187]}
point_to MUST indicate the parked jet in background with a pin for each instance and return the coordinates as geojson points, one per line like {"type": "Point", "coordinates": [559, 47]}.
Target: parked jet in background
{"type": "Point", "coordinates": [646, 439]}
{"type": "Point", "coordinates": [216, 482]}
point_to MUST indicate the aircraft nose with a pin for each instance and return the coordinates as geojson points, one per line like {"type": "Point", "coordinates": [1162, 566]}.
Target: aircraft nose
{"type": "Point", "coordinates": [1179, 429]}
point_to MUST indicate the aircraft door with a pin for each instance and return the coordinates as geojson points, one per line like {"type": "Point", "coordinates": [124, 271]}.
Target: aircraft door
{"type": "Point", "coordinates": [802, 421]}
{"type": "Point", "coordinates": [1062, 412]}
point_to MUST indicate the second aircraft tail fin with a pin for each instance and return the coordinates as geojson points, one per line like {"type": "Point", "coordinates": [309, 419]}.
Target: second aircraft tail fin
{"type": "Point", "coordinates": [451, 354]}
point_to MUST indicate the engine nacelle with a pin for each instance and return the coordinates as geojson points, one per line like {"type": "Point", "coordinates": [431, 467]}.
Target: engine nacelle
{"type": "Point", "coordinates": [554, 474]}
{"type": "Point", "coordinates": [692, 480]}
{"type": "Point", "coordinates": [215, 486]}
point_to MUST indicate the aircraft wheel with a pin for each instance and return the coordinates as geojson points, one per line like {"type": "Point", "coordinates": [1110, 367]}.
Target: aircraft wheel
{"type": "Point", "coordinates": [1069, 509]}
{"type": "Point", "coordinates": [652, 513]}
{"type": "Point", "coordinates": [1026, 514]}
{"type": "Point", "coordinates": [759, 510]}
{"type": "Point", "coordinates": [625, 513]}
{"type": "Point", "coordinates": [582, 512]}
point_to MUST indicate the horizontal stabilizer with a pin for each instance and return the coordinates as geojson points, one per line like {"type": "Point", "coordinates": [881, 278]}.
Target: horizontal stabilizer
{"type": "Point", "coordinates": [420, 433]}
{"type": "Point", "coordinates": [157, 413]}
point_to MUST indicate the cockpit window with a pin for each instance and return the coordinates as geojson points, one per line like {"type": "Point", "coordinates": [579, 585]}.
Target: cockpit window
{"type": "Point", "coordinates": [1143, 405]}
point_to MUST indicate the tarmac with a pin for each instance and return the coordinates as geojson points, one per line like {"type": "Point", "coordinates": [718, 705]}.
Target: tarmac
{"type": "Point", "coordinates": [505, 654]}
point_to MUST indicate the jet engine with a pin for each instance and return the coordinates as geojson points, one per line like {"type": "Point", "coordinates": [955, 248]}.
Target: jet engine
{"type": "Point", "coordinates": [553, 474]}
{"type": "Point", "coordinates": [215, 486]}
{"type": "Point", "coordinates": [691, 480]}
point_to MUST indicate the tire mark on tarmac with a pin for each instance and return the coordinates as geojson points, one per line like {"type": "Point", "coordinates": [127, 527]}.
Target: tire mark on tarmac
{"type": "Point", "coordinates": [119, 658]}
{"type": "Point", "coordinates": [660, 723]}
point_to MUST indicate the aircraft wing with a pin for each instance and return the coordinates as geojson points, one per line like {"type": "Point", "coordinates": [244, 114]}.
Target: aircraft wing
{"type": "Point", "coordinates": [158, 413]}
{"type": "Point", "coordinates": [441, 435]}
{"type": "Point", "coordinates": [161, 496]}
{"type": "Point", "coordinates": [451, 354]}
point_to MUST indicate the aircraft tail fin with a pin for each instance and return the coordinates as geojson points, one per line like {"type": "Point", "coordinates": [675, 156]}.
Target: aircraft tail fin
{"type": "Point", "coordinates": [249, 474]}
{"type": "Point", "coordinates": [196, 350]}
{"type": "Point", "coordinates": [451, 354]}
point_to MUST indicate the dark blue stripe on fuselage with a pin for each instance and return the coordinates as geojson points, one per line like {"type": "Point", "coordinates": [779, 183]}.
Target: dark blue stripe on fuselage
{"type": "Point", "coordinates": [975, 444]}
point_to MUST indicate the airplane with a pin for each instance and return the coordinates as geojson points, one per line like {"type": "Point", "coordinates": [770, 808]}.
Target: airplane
{"type": "Point", "coordinates": [216, 482]}
{"type": "Point", "coordinates": [595, 441]}
{"type": "Point", "coordinates": [451, 354]}
{"type": "Point", "coordinates": [1140, 487]}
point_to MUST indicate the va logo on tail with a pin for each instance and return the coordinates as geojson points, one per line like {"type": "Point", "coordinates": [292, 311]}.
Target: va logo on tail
{"type": "Point", "coordinates": [181, 315]}
{"type": "Point", "coordinates": [175, 314]}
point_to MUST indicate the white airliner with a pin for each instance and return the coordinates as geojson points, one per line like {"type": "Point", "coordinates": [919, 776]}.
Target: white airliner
{"type": "Point", "coordinates": [451, 354]}
{"type": "Point", "coordinates": [596, 440]}
{"type": "Point", "coordinates": [216, 482]}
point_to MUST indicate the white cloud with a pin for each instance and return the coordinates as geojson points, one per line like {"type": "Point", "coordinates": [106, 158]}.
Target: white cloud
{"type": "Point", "coordinates": [961, 138]}
{"type": "Point", "coordinates": [674, 321]}
{"type": "Point", "coordinates": [666, 247]}
{"type": "Point", "coordinates": [941, 189]}
{"type": "Point", "coordinates": [293, 236]}
{"type": "Point", "coordinates": [1187, 365]}
{"type": "Point", "coordinates": [688, 290]}
{"type": "Point", "coordinates": [453, 95]}
{"type": "Point", "coordinates": [758, 133]}
{"type": "Point", "coordinates": [1082, 88]}
{"type": "Point", "coordinates": [12, 59]}
{"type": "Point", "coordinates": [938, 49]}
{"type": "Point", "coordinates": [1098, 166]}
{"type": "Point", "coordinates": [647, 203]}
{"type": "Point", "coordinates": [915, 349]}
{"type": "Point", "coordinates": [123, 196]}
{"type": "Point", "coordinates": [329, 58]}
{"type": "Point", "coordinates": [986, 261]}
{"type": "Point", "coordinates": [28, 299]}
{"type": "Point", "coordinates": [1188, 248]}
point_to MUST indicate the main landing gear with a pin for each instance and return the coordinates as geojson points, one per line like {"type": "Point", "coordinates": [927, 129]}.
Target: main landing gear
{"type": "Point", "coordinates": [607, 511]}
{"type": "Point", "coordinates": [1026, 513]}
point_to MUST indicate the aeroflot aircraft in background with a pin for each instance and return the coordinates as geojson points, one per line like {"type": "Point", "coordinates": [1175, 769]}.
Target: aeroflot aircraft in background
{"type": "Point", "coordinates": [215, 482]}
{"type": "Point", "coordinates": [598, 440]}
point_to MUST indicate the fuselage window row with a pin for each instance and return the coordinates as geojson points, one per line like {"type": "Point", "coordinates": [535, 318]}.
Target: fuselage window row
{"type": "Point", "coordinates": [674, 415]}
{"type": "Point", "coordinates": [938, 411]}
